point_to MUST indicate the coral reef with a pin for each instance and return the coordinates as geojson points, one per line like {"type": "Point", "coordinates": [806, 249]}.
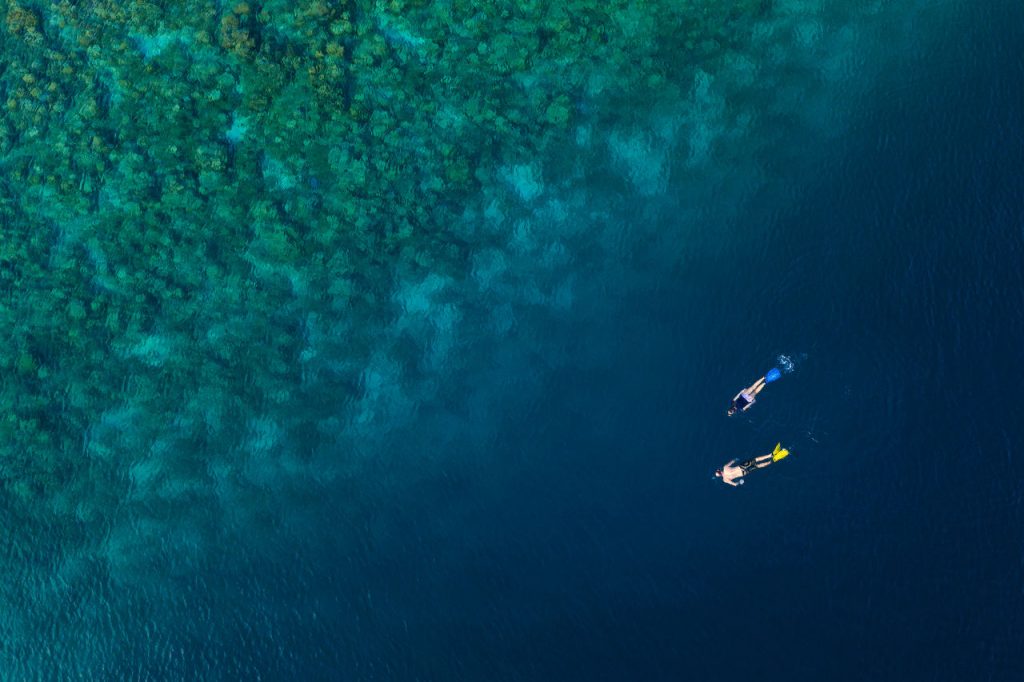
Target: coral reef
{"type": "Point", "coordinates": [234, 229]}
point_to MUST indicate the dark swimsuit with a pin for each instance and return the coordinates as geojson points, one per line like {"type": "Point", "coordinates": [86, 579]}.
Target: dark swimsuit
{"type": "Point", "coordinates": [749, 465]}
{"type": "Point", "coordinates": [740, 403]}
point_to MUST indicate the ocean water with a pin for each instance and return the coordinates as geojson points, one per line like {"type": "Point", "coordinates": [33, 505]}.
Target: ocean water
{"type": "Point", "coordinates": [476, 440]}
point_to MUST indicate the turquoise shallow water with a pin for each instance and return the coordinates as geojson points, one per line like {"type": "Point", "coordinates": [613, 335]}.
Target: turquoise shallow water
{"type": "Point", "coordinates": [395, 343]}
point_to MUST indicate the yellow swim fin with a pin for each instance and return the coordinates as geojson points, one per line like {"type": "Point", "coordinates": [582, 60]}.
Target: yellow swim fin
{"type": "Point", "coordinates": [779, 452]}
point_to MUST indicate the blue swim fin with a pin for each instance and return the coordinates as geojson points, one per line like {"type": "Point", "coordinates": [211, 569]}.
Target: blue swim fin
{"type": "Point", "coordinates": [773, 374]}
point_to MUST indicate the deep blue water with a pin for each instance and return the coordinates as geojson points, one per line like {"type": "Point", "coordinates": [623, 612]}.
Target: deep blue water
{"type": "Point", "coordinates": [554, 517]}
{"type": "Point", "coordinates": [589, 542]}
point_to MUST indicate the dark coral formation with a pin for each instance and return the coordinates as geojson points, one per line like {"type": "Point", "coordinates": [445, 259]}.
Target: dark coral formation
{"type": "Point", "coordinates": [203, 209]}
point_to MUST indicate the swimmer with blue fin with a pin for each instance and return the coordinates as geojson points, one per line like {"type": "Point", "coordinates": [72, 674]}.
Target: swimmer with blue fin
{"type": "Point", "coordinates": [733, 473]}
{"type": "Point", "coordinates": [748, 396]}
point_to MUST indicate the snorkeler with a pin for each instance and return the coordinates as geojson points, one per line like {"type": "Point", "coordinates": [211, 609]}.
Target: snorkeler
{"type": "Point", "coordinates": [733, 473]}
{"type": "Point", "coordinates": [748, 396]}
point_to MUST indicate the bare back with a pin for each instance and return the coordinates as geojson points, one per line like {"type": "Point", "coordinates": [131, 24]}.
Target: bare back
{"type": "Point", "coordinates": [731, 474]}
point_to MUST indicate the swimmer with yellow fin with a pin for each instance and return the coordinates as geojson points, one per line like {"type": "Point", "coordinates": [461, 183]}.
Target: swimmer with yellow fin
{"type": "Point", "coordinates": [733, 473]}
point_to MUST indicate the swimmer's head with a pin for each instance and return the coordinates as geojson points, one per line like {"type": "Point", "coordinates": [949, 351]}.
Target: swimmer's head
{"type": "Point", "coordinates": [718, 473]}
